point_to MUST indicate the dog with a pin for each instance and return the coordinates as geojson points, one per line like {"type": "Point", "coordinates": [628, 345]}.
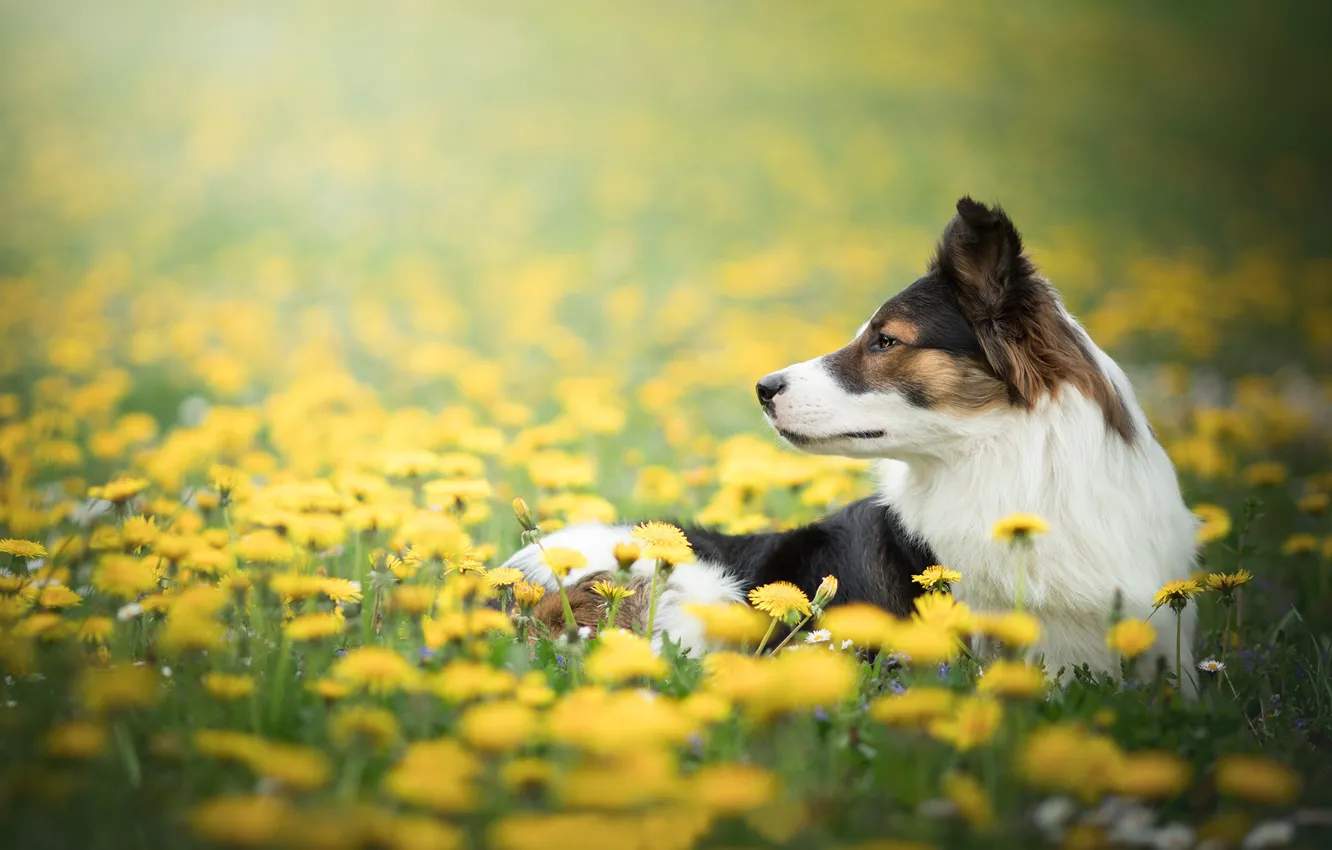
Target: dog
{"type": "Point", "coordinates": [979, 396]}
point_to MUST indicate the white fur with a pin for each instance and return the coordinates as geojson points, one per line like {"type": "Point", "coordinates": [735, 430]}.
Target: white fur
{"type": "Point", "coordinates": [700, 582]}
{"type": "Point", "coordinates": [1117, 520]}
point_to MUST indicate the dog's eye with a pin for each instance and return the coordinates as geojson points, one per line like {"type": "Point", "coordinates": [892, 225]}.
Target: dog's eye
{"type": "Point", "coordinates": [885, 342]}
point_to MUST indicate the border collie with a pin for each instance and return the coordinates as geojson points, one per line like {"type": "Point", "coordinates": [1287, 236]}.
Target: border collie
{"type": "Point", "coordinates": [980, 396]}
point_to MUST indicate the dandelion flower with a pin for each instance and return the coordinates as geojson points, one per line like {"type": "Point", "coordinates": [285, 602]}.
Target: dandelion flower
{"type": "Point", "coordinates": [1012, 679]}
{"type": "Point", "coordinates": [1256, 779]}
{"type": "Point", "coordinates": [119, 490]}
{"type": "Point", "coordinates": [528, 594]}
{"type": "Point", "coordinates": [138, 532]}
{"type": "Point", "coordinates": [501, 726]}
{"type": "Point", "coordinates": [1016, 629]}
{"type": "Point", "coordinates": [971, 800]}
{"type": "Point", "coordinates": [620, 656]}
{"type": "Point", "coordinates": [251, 820]}
{"type": "Point", "coordinates": [663, 541]}
{"type": "Point", "coordinates": [366, 725]}
{"type": "Point", "coordinates": [563, 561]}
{"type": "Point", "coordinates": [1226, 583]}
{"type": "Point", "coordinates": [58, 596]}
{"type": "Point", "coordinates": [937, 578]}
{"type": "Point", "coordinates": [228, 687]}
{"type": "Point", "coordinates": [861, 623]}
{"type": "Point", "coordinates": [78, 739]}
{"type": "Point", "coordinates": [610, 591]}
{"type": "Point", "coordinates": [1176, 594]}
{"type": "Point", "coordinates": [1300, 544]}
{"type": "Point", "coordinates": [23, 549]}
{"type": "Point", "coordinates": [1131, 638]}
{"type": "Point", "coordinates": [1151, 775]}
{"type": "Point", "coordinates": [1017, 528]}
{"type": "Point", "coordinates": [732, 789]}
{"type": "Point", "coordinates": [1266, 474]}
{"type": "Point", "coordinates": [376, 669]}
{"type": "Point", "coordinates": [1313, 504]}
{"type": "Point", "coordinates": [942, 610]}
{"type": "Point", "coordinates": [973, 721]}
{"type": "Point", "coordinates": [780, 600]}
{"type": "Point", "coordinates": [1215, 522]}
{"type": "Point", "coordinates": [503, 576]}
{"type": "Point", "coordinates": [730, 623]}
{"type": "Point", "coordinates": [915, 707]}
{"type": "Point", "coordinates": [317, 626]}
{"type": "Point", "coordinates": [626, 553]}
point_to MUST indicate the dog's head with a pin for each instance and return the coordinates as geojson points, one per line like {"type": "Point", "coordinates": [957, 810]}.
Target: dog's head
{"type": "Point", "coordinates": [980, 338]}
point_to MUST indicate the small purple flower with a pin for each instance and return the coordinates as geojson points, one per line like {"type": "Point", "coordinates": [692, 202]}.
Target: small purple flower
{"type": "Point", "coordinates": [820, 713]}
{"type": "Point", "coordinates": [943, 670]}
{"type": "Point", "coordinates": [559, 659]}
{"type": "Point", "coordinates": [428, 654]}
{"type": "Point", "coordinates": [896, 686]}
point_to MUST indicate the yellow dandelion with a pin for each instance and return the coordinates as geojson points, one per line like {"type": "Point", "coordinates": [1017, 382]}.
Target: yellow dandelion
{"type": "Point", "coordinates": [1314, 504]}
{"type": "Point", "coordinates": [1018, 528]}
{"type": "Point", "coordinates": [23, 549]}
{"type": "Point", "coordinates": [973, 722]}
{"type": "Point", "coordinates": [375, 669]}
{"type": "Point", "coordinates": [1131, 638]}
{"type": "Point", "coordinates": [1266, 474]}
{"type": "Point", "coordinates": [77, 739]}
{"type": "Point", "coordinates": [317, 626]}
{"type": "Point", "coordinates": [664, 542]}
{"type": "Point", "coordinates": [1176, 594]}
{"type": "Point", "coordinates": [96, 630]}
{"type": "Point", "coordinates": [501, 726]}
{"type": "Point", "coordinates": [228, 687]}
{"type": "Point", "coordinates": [503, 576]}
{"type": "Point", "coordinates": [942, 611]}
{"type": "Point", "coordinates": [563, 561]}
{"type": "Point", "coordinates": [1215, 522]}
{"type": "Point", "coordinates": [937, 578]}
{"type": "Point", "coordinates": [621, 656]}
{"type": "Point", "coordinates": [863, 624]}
{"type": "Point", "coordinates": [1257, 779]}
{"type": "Point", "coordinates": [138, 532]}
{"type": "Point", "coordinates": [627, 553]}
{"type": "Point", "coordinates": [730, 623]}
{"type": "Point", "coordinates": [527, 594]}
{"type": "Point", "coordinates": [610, 591]}
{"type": "Point", "coordinates": [119, 490]}
{"type": "Point", "coordinates": [1012, 679]}
{"type": "Point", "coordinates": [57, 596]}
{"type": "Point", "coordinates": [1226, 583]}
{"type": "Point", "coordinates": [1015, 629]}
{"type": "Point", "coordinates": [780, 600]}
{"type": "Point", "coordinates": [364, 725]}
{"type": "Point", "coordinates": [1299, 544]}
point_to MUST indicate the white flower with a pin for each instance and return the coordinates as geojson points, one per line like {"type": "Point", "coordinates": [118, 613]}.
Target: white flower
{"type": "Point", "coordinates": [166, 671]}
{"type": "Point", "coordinates": [1051, 815]}
{"type": "Point", "coordinates": [1211, 665]}
{"type": "Point", "coordinates": [585, 632]}
{"type": "Point", "coordinates": [1175, 836]}
{"type": "Point", "coordinates": [818, 636]}
{"type": "Point", "coordinates": [847, 644]}
{"type": "Point", "coordinates": [129, 612]}
{"type": "Point", "coordinates": [1271, 833]}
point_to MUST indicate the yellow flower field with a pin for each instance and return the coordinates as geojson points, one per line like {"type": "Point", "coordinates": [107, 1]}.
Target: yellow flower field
{"type": "Point", "coordinates": [312, 314]}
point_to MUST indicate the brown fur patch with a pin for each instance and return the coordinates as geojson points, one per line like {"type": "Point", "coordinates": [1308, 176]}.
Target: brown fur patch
{"type": "Point", "coordinates": [589, 607]}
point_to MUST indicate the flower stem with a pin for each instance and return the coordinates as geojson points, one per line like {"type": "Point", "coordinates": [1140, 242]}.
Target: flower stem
{"type": "Point", "coordinates": [652, 602]}
{"type": "Point", "coordinates": [1019, 593]}
{"type": "Point", "coordinates": [791, 633]}
{"type": "Point", "coordinates": [1179, 629]}
{"type": "Point", "coordinates": [570, 624]}
{"type": "Point", "coordinates": [771, 627]}
{"type": "Point", "coordinates": [126, 747]}
{"type": "Point", "coordinates": [1225, 635]}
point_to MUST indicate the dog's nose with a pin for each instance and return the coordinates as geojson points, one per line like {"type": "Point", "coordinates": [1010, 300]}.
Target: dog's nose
{"type": "Point", "coordinates": [769, 388]}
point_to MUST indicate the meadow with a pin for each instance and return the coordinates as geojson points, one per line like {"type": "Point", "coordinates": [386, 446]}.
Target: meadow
{"type": "Point", "coordinates": [312, 315]}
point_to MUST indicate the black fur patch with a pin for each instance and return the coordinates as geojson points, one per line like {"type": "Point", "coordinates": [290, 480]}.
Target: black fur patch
{"type": "Point", "coordinates": [863, 545]}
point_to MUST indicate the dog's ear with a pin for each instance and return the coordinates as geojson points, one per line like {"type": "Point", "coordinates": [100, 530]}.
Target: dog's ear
{"type": "Point", "coordinates": [997, 291]}
{"type": "Point", "coordinates": [1028, 340]}
{"type": "Point", "coordinates": [981, 257]}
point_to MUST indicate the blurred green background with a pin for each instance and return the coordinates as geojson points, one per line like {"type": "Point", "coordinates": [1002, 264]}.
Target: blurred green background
{"type": "Point", "coordinates": [789, 155]}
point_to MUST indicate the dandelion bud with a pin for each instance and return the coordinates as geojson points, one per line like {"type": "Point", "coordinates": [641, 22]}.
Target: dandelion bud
{"type": "Point", "coordinates": [524, 515]}
{"type": "Point", "coordinates": [626, 553]}
{"type": "Point", "coordinates": [827, 590]}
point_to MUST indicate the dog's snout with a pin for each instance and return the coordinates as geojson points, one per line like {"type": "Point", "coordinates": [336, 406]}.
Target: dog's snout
{"type": "Point", "coordinates": [769, 388]}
